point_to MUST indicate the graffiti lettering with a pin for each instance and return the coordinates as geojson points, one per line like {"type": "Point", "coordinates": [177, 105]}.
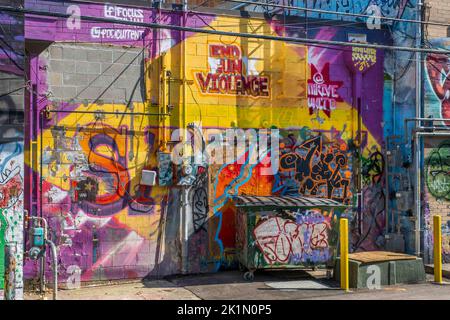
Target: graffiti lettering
{"type": "Point", "coordinates": [322, 92]}
{"type": "Point", "coordinates": [226, 74]}
{"type": "Point", "coordinates": [318, 173]}
{"type": "Point", "coordinates": [437, 173]}
{"type": "Point", "coordinates": [284, 241]}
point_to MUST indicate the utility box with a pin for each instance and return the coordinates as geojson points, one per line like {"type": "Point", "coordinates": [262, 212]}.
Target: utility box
{"type": "Point", "coordinates": [38, 236]}
{"type": "Point", "coordinates": [148, 178]}
{"type": "Point", "coordinates": [394, 242]}
{"type": "Point", "coordinates": [405, 200]}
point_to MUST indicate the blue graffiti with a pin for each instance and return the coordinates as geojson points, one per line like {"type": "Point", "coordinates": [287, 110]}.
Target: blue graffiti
{"type": "Point", "coordinates": [230, 191]}
{"type": "Point", "coordinates": [12, 150]}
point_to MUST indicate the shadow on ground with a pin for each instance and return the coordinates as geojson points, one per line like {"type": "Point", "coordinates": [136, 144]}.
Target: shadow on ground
{"type": "Point", "coordinates": [282, 284]}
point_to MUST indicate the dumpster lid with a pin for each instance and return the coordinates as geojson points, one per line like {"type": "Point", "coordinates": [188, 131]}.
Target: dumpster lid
{"type": "Point", "coordinates": [279, 202]}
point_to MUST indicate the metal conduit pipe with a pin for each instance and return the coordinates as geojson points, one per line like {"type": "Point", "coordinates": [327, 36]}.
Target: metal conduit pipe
{"type": "Point", "coordinates": [55, 268]}
{"type": "Point", "coordinates": [443, 134]}
{"type": "Point", "coordinates": [309, 42]}
{"type": "Point", "coordinates": [244, 3]}
{"type": "Point", "coordinates": [186, 189]}
{"type": "Point", "coordinates": [418, 131]}
{"type": "Point", "coordinates": [108, 113]}
{"type": "Point", "coordinates": [417, 196]}
{"type": "Point", "coordinates": [43, 258]}
{"type": "Point", "coordinates": [386, 199]}
{"type": "Point", "coordinates": [418, 120]}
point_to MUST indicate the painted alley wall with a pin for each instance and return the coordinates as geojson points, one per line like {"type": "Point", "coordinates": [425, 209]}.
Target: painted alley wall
{"type": "Point", "coordinates": [12, 89]}
{"type": "Point", "coordinates": [436, 150]}
{"type": "Point", "coordinates": [399, 101]}
{"type": "Point", "coordinates": [107, 102]}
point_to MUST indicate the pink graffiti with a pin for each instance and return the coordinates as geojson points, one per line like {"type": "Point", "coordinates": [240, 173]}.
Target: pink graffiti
{"type": "Point", "coordinates": [280, 240]}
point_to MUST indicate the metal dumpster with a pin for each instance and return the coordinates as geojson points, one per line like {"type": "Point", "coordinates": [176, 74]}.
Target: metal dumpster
{"type": "Point", "coordinates": [286, 232]}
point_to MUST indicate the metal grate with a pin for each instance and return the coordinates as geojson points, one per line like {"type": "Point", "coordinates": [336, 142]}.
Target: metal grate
{"type": "Point", "coordinates": [285, 201]}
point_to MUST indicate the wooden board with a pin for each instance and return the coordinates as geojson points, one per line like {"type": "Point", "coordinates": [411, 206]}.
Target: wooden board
{"type": "Point", "coordinates": [378, 256]}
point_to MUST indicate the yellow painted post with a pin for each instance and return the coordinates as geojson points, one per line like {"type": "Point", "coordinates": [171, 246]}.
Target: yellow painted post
{"type": "Point", "coordinates": [344, 253]}
{"type": "Point", "coordinates": [437, 249]}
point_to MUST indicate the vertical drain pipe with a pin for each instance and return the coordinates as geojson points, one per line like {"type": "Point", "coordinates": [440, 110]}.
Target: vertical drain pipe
{"type": "Point", "coordinates": [184, 188]}
{"type": "Point", "coordinates": [10, 271]}
{"type": "Point", "coordinates": [417, 141]}
{"type": "Point", "coordinates": [41, 148]}
{"type": "Point", "coordinates": [55, 268]}
{"type": "Point", "coordinates": [43, 258]}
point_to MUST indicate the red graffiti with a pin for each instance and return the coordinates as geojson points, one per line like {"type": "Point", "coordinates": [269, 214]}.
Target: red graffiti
{"type": "Point", "coordinates": [10, 188]}
{"type": "Point", "coordinates": [226, 74]}
{"type": "Point", "coordinates": [323, 92]}
{"type": "Point", "coordinates": [438, 70]}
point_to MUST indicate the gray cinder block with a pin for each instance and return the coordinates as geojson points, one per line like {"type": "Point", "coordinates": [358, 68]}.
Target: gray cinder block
{"type": "Point", "coordinates": [391, 272]}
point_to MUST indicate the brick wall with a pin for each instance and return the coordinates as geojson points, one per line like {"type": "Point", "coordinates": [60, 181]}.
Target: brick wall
{"type": "Point", "coordinates": [437, 195]}
{"type": "Point", "coordinates": [439, 11]}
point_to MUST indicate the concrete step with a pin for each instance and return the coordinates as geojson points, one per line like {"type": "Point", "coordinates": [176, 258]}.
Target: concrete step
{"type": "Point", "coordinates": [391, 271]}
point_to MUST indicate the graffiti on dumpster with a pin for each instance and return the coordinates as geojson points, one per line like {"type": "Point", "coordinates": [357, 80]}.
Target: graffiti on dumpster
{"type": "Point", "coordinates": [293, 241]}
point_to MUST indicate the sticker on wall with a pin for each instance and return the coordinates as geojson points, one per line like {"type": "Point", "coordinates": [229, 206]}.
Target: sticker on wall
{"type": "Point", "coordinates": [364, 58]}
{"type": "Point", "coordinates": [165, 169]}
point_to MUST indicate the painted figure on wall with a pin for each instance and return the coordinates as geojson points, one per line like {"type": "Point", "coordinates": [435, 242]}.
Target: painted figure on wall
{"type": "Point", "coordinates": [438, 68]}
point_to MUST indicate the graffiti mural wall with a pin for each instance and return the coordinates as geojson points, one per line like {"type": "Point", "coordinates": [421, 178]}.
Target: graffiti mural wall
{"type": "Point", "coordinates": [436, 150]}
{"type": "Point", "coordinates": [12, 89]}
{"type": "Point", "coordinates": [110, 102]}
{"type": "Point", "coordinates": [437, 193]}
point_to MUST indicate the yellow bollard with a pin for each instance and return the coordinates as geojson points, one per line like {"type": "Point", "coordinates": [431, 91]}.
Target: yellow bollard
{"type": "Point", "coordinates": [344, 253]}
{"type": "Point", "coordinates": [437, 249]}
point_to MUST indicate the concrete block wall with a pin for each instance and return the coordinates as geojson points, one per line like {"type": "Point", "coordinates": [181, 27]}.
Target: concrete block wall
{"type": "Point", "coordinates": [126, 240]}
{"type": "Point", "coordinates": [108, 78]}
{"type": "Point", "coordinates": [87, 73]}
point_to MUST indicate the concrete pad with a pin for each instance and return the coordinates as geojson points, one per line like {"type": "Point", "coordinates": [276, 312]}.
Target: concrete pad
{"type": "Point", "coordinates": [425, 291]}
{"type": "Point", "coordinates": [230, 285]}
{"type": "Point", "coordinates": [429, 268]}
{"type": "Point", "coordinates": [295, 285]}
{"type": "Point", "coordinates": [151, 290]}
{"type": "Point", "coordinates": [389, 272]}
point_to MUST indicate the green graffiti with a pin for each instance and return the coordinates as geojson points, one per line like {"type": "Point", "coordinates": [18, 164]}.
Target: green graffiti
{"type": "Point", "coordinates": [3, 225]}
{"type": "Point", "coordinates": [437, 173]}
{"type": "Point", "coordinates": [372, 168]}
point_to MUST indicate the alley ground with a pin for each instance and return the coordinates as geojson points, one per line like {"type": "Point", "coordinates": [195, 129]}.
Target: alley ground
{"type": "Point", "coordinates": [267, 285]}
